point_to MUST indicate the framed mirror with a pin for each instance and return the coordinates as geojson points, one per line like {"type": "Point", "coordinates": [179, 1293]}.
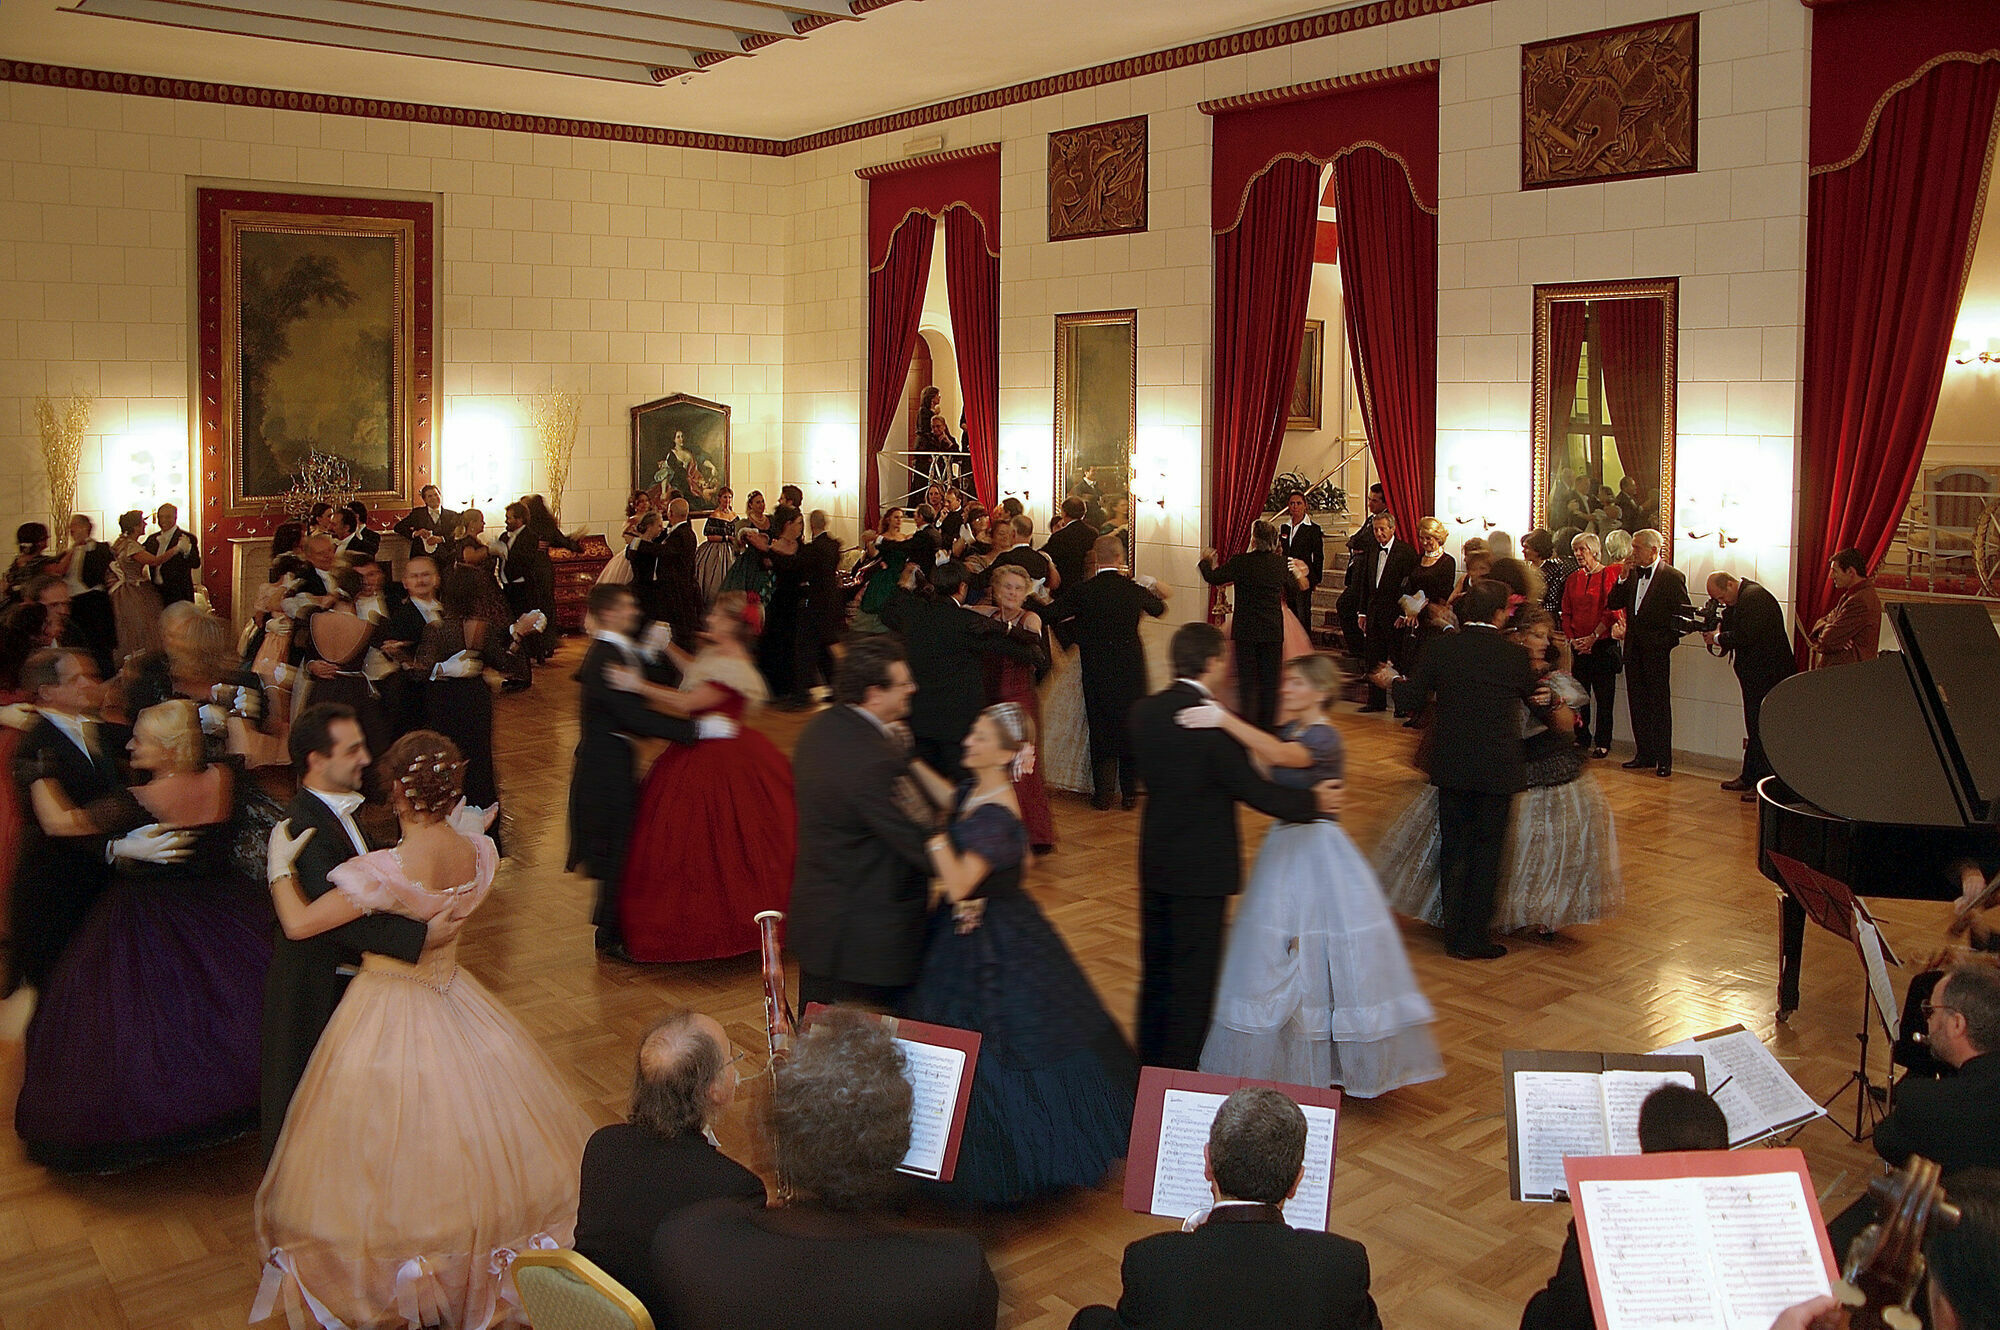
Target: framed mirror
{"type": "Point", "coordinates": [1097, 416]}
{"type": "Point", "coordinates": [1603, 434]}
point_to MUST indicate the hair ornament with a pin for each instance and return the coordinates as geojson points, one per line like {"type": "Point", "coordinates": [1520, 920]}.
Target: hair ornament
{"type": "Point", "coordinates": [1023, 765]}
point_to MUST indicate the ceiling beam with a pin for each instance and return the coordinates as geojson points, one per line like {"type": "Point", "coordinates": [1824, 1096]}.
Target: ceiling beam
{"type": "Point", "coordinates": [743, 16]}
{"type": "Point", "coordinates": [521, 24]}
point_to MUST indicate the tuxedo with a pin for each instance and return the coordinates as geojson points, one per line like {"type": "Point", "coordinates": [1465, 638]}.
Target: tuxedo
{"type": "Point", "coordinates": [632, 1179]}
{"type": "Point", "coordinates": [1655, 605]}
{"type": "Point", "coordinates": [427, 530]}
{"type": "Point", "coordinates": [1480, 680]}
{"type": "Point", "coordinates": [860, 893]}
{"type": "Point", "coordinates": [1100, 617]}
{"type": "Point", "coordinates": [175, 577]}
{"type": "Point", "coordinates": [603, 795]}
{"type": "Point", "coordinates": [724, 1265]}
{"type": "Point", "coordinates": [90, 602]}
{"type": "Point", "coordinates": [1069, 550]}
{"type": "Point", "coordinates": [825, 611]}
{"type": "Point", "coordinates": [514, 563]}
{"type": "Point", "coordinates": [1189, 865]}
{"type": "Point", "coordinates": [1383, 571]}
{"type": "Point", "coordinates": [1753, 632]}
{"type": "Point", "coordinates": [1354, 590]}
{"type": "Point", "coordinates": [676, 594]}
{"type": "Point", "coordinates": [948, 645]}
{"type": "Point", "coordinates": [1244, 1267]}
{"type": "Point", "coordinates": [402, 691]}
{"type": "Point", "coordinates": [1305, 542]}
{"type": "Point", "coordinates": [1257, 626]}
{"type": "Point", "coordinates": [57, 879]}
{"type": "Point", "coordinates": [363, 544]}
{"type": "Point", "coordinates": [304, 983]}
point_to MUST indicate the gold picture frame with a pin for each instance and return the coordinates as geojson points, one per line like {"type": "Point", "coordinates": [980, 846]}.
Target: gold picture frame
{"type": "Point", "coordinates": [1309, 382]}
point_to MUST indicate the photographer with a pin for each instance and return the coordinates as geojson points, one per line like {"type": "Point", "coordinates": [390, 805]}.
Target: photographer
{"type": "Point", "coordinates": [1752, 630]}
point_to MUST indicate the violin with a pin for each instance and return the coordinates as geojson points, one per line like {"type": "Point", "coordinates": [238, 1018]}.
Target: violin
{"type": "Point", "coordinates": [1885, 1266]}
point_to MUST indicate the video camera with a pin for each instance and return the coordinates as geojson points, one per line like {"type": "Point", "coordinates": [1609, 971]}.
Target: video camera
{"type": "Point", "coordinates": [1707, 619]}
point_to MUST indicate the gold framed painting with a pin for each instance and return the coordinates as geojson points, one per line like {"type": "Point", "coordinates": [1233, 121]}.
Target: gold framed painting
{"type": "Point", "coordinates": [1305, 411]}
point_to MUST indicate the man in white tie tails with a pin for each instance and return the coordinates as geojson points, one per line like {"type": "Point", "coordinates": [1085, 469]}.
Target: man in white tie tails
{"type": "Point", "coordinates": [428, 526]}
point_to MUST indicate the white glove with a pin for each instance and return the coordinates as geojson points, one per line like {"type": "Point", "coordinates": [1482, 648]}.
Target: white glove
{"type": "Point", "coordinates": [214, 718]}
{"type": "Point", "coordinates": [1147, 580]}
{"type": "Point", "coordinates": [1204, 716]}
{"type": "Point", "coordinates": [460, 665]}
{"type": "Point", "coordinates": [657, 639]}
{"type": "Point", "coordinates": [470, 819]}
{"type": "Point", "coordinates": [284, 849]}
{"type": "Point", "coordinates": [280, 673]}
{"type": "Point", "coordinates": [183, 546]}
{"type": "Point", "coordinates": [151, 844]}
{"type": "Point", "coordinates": [531, 622]}
{"type": "Point", "coordinates": [715, 727]}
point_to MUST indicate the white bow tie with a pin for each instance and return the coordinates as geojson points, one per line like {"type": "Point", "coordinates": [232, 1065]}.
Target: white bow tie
{"type": "Point", "coordinates": [343, 804]}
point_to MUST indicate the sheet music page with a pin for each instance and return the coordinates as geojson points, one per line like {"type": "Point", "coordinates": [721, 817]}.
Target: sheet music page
{"type": "Point", "coordinates": [1307, 1209]}
{"type": "Point", "coordinates": [1179, 1189]}
{"type": "Point", "coordinates": [1765, 1243]}
{"type": "Point", "coordinates": [1870, 940]}
{"type": "Point", "coordinates": [1749, 1085]}
{"type": "Point", "coordinates": [1556, 1113]}
{"type": "Point", "coordinates": [1649, 1244]}
{"type": "Point", "coordinates": [934, 1074]}
{"type": "Point", "coordinates": [1623, 1092]}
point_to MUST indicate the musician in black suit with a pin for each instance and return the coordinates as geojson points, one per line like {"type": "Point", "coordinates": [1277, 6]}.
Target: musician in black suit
{"type": "Point", "coordinates": [602, 795]}
{"type": "Point", "coordinates": [1189, 863]}
{"type": "Point", "coordinates": [1353, 599]}
{"type": "Point", "coordinates": [1654, 596]}
{"type": "Point", "coordinates": [1383, 570]}
{"type": "Point", "coordinates": [660, 1159]}
{"type": "Point", "coordinates": [1480, 680]}
{"type": "Point", "coordinates": [1299, 537]}
{"type": "Point", "coordinates": [1245, 1265]}
{"type": "Point", "coordinates": [832, 1259]}
{"type": "Point", "coordinates": [429, 526]}
{"type": "Point", "coordinates": [1752, 631]}
{"type": "Point", "coordinates": [859, 885]}
{"type": "Point", "coordinates": [1257, 625]}
{"type": "Point", "coordinates": [948, 646]}
{"type": "Point", "coordinates": [1100, 617]}
{"type": "Point", "coordinates": [305, 983]}
{"type": "Point", "coordinates": [174, 574]}
{"type": "Point", "coordinates": [1069, 547]}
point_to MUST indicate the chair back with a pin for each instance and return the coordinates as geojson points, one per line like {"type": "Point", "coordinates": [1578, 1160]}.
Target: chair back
{"type": "Point", "coordinates": [564, 1290]}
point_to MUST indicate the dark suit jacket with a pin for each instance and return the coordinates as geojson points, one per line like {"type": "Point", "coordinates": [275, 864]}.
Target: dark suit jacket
{"type": "Point", "coordinates": [303, 985]}
{"type": "Point", "coordinates": [1245, 1269]}
{"type": "Point", "coordinates": [175, 577]}
{"type": "Point", "coordinates": [1656, 624]}
{"type": "Point", "coordinates": [948, 645]}
{"type": "Point", "coordinates": [859, 898]}
{"type": "Point", "coordinates": [1753, 632]}
{"type": "Point", "coordinates": [602, 794]}
{"type": "Point", "coordinates": [1100, 617]}
{"type": "Point", "coordinates": [419, 519]}
{"type": "Point", "coordinates": [632, 1180]}
{"type": "Point", "coordinates": [97, 561]}
{"type": "Point", "coordinates": [1069, 550]}
{"type": "Point", "coordinates": [726, 1265]}
{"type": "Point", "coordinates": [58, 878]}
{"type": "Point", "coordinates": [826, 601]}
{"type": "Point", "coordinates": [1193, 780]}
{"type": "Point", "coordinates": [678, 595]}
{"type": "Point", "coordinates": [1306, 543]}
{"type": "Point", "coordinates": [1953, 1122]}
{"type": "Point", "coordinates": [1480, 680]}
{"type": "Point", "coordinates": [1260, 578]}
{"type": "Point", "coordinates": [1379, 602]}
{"type": "Point", "coordinates": [1565, 1303]}
{"type": "Point", "coordinates": [366, 543]}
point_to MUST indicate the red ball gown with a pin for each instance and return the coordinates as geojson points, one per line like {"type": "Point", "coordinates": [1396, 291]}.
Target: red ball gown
{"type": "Point", "coordinates": [715, 834]}
{"type": "Point", "coordinates": [1015, 681]}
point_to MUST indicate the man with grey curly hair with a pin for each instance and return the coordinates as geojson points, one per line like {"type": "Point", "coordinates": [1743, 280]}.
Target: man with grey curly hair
{"type": "Point", "coordinates": [1244, 1265]}
{"type": "Point", "coordinates": [831, 1259]}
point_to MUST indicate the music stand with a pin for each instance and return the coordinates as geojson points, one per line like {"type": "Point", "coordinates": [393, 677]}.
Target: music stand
{"type": "Point", "coordinates": [1832, 905]}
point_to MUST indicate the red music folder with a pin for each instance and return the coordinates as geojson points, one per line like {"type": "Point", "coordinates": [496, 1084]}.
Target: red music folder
{"type": "Point", "coordinates": [1708, 1240]}
{"type": "Point", "coordinates": [1163, 1166]}
{"type": "Point", "coordinates": [938, 1062]}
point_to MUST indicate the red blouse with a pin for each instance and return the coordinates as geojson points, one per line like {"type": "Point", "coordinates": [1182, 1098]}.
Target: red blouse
{"type": "Point", "coordinates": [1583, 601]}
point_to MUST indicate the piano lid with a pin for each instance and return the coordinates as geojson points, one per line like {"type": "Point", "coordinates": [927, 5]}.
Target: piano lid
{"type": "Point", "coordinates": [1956, 653]}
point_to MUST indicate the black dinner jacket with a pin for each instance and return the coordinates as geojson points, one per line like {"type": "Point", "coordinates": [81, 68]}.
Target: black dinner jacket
{"type": "Point", "coordinates": [1260, 577]}
{"type": "Point", "coordinates": [175, 577]}
{"type": "Point", "coordinates": [97, 561]}
{"type": "Point", "coordinates": [1306, 543]}
{"type": "Point", "coordinates": [826, 601]}
{"type": "Point", "coordinates": [1656, 624]}
{"type": "Point", "coordinates": [1247, 1269]}
{"type": "Point", "coordinates": [948, 645]}
{"type": "Point", "coordinates": [1753, 632]}
{"type": "Point", "coordinates": [419, 519]}
{"type": "Point", "coordinates": [1100, 617]}
{"type": "Point", "coordinates": [1480, 680]}
{"type": "Point", "coordinates": [1953, 1122]}
{"type": "Point", "coordinates": [1193, 781]}
{"type": "Point", "coordinates": [858, 900]}
{"type": "Point", "coordinates": [726, 1265]}
{"type": "Point", "coordinates": [1069, 550]}
{"type": "Point", "coordinates": [632, 1179]}
{"type": "Point", "coordinates": [601, 788]}
{"type": "Point", "coordinates": [304, 983]}
{"type": "Point", "coordinates": [57, 878]}
{"type": "Point", "coordinates": [1380, 601]}
{"type": "Point", "coordinates": [365, 544]}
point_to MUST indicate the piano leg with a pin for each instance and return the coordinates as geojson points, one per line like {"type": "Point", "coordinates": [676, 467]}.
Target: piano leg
{"type": "Point", "coordinates": [1791, 942]}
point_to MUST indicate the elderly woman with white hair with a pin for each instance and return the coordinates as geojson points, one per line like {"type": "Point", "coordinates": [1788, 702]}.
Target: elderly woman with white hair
{"type": "Point", "coordinates": [1595, 634]}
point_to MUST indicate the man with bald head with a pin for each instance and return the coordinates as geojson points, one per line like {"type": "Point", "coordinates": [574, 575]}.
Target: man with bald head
{"type": "Point", "coordinates": [637, 1172]}
{"type": "Point", "coordinates": [1101, 619]}
{"type": "Point", "coordinates": [677, 595]}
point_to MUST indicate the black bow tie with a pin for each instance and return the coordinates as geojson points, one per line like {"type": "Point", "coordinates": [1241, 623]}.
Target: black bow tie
{"type": "Point", "coordinates": [1645, 574]}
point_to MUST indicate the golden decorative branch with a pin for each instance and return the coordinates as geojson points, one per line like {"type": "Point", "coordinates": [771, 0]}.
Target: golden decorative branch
{"type": "Point", "coordinates": [62, 422]}
{"type": "Point", "coordinates": [321, 478]}
{"type": "Point", "coordinates": [554, 413]}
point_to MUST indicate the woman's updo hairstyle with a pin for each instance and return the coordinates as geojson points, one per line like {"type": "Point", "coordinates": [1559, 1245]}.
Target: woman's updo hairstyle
{"type": "Point", "coordinates": [176, 726]}
{"type": "Point", "coordinates": [426, 773]}
{"type": "Point", "coordinates": [1014, 725]}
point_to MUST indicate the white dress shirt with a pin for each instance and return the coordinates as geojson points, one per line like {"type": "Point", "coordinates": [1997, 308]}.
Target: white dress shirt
{"type": "Point", "coordinates": [1652, 570]}
{"type": "Point", "coordinates": [344, 805]}
{"type": "Point", "coordinates": [1382, 562]}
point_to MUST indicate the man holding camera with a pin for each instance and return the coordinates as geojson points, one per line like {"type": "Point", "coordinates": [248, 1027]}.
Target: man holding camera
{"type": "Point", "coordinates": [1654, 596]}
{"type": "Point", "coordinates": [1752, 630]}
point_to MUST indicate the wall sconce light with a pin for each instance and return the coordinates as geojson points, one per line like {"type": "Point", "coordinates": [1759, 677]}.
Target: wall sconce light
{"type": "Point", "coordinates": [1963, 354]}
{"type": "Point", "coordinates": [479, 444]}
{"type": "Point", "coordinates": [150, 467]}
{"type": "Point", "coordinates": [1471, 497]}
{"type": "Point", "coordinates": [1166, 468]}
{"type": "Point", "coordinates": [833, 453]}
{"type": "Point", "coordinates": [1017, 480]}
{"type": "Point", "coordinates": [1718, 513]}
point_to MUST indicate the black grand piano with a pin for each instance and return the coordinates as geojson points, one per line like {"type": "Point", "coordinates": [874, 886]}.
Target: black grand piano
{"type": "Point", "coordinates": [1887, 771]}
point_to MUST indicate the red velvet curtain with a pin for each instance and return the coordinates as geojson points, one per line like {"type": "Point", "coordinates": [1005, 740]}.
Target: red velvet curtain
{"type": "Point", "coordinates": [1566, 327]}
{"type": "Point", "coordinates": [895, 307]}
{"type": "Point", "coordinates": [1263, 275]}
{"type": "Point", "coordinates": [1888, 239]}
{"type": "Point", "coordinates": [972, 282]}
{"type": "Point", "coordinates": [1388, 274]}
{"type": "Point", "coordinates": [1630, 349]}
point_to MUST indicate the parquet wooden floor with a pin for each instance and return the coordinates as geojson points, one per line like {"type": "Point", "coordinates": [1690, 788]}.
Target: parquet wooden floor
{"type": "Point", "coordinates": [1421, 1176]}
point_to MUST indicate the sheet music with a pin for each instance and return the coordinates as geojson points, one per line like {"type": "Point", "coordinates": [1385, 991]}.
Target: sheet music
{"type": "Point", "coordinates": [1750, 1087]}
{"type": "Point", "coordinates": [1180, 1189]}
{"type": "Point", "coordinates": [1869, 939]}
{"type": "Point", "coordinates": [1623, 1092]}
{"type": "Point", "coordinates": [1556, 1113]}
{"type": "Point", "coordinates": [1766, 1245]}
{"type": "Point", "coordinates": [1650, 1246]}
{"type": "Point", "coordinates": [934, 1074]}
